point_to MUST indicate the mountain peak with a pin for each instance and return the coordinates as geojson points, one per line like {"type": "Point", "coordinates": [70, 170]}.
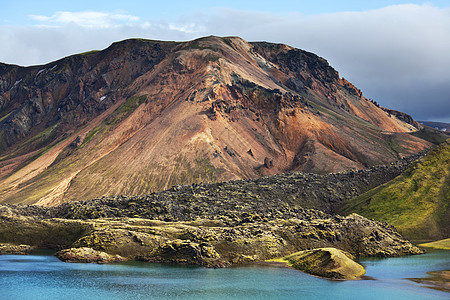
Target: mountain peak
{"type": "Point", "coordinates": [143, 115]}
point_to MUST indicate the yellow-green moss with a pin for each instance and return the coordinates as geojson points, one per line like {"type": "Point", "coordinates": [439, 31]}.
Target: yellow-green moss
{"type": "Point", "coordinates": [326, 262]}
{"type": "Point", "coordinates": [441, 244]}
{"type": "Point", "coordinates": [416, 202]}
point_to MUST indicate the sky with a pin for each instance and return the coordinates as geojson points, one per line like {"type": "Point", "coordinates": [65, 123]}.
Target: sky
{"type": "Point", "coordinates": [396, 52]}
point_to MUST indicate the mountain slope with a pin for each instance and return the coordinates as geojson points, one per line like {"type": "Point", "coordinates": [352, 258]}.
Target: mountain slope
{"type": "Point", "coordinates": [141, 116]}
{"type": "Point", "coordinates": [437, 125]}
{"type": "Point", "coordinates": [416, 202]}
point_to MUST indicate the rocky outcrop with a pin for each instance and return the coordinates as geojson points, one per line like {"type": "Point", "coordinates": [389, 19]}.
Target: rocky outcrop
{"type": "Point", "coordinates": [326, 262]}
{"type": "Point", "coordinates": [6, 248]}
{"type": "Point", "coordinates": [216, 224]}
{"type": "Point", "coordinates": [223, 241]}
{"type": "Point", "coordinates": [186, 252]}
{"type": "Point", "coordinates": [87, 255]}
{"type": "Point", "coordinates": [402, 116]}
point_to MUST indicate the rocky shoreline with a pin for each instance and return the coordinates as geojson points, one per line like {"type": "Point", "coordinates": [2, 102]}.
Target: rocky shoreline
{"type": "Point", "coordinates": [210, 243]}
{"type": "Point", "coordinates": [213, 225]}
{"type": "Point", "coordinates": [13, 249]}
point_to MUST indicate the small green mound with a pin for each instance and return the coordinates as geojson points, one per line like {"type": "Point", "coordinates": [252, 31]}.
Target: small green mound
{"type": "Point", "coordinates": [442, 244]}
{"type": "Point", "coordinates": [326, 262]}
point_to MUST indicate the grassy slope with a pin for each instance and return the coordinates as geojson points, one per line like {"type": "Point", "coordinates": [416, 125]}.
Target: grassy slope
{"type": "Point", "coordinates": [416, 202]}
{"type": "Point", "coordinates": [442, 244]}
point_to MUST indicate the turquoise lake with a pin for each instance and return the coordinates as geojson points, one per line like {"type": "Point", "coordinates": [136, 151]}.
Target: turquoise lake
{"type": "Point", "coordinates": [43, 276]}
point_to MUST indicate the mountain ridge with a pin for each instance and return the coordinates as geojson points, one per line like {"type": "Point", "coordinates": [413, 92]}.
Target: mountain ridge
{"type": "Point", "coordinates": [141, 116]}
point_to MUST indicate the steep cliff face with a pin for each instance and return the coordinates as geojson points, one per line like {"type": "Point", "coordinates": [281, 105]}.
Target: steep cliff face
{"type": "Point", "coordinates": [141, 116]}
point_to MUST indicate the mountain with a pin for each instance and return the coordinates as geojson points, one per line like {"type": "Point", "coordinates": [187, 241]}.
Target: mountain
{"type": "Point", "coordinates": [142, 116]}
{"type": "Point", "coordinates": [437, 125]}
{"type": "Point", "coordinates": [416, 202]}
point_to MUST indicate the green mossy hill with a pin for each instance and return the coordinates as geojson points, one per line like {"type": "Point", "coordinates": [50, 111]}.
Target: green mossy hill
{"type": "Point", "coordinates": [326, 262]}
{"type": "Point", "coordinates": [417, 202]}
{"type": "Point", "coordinates": [441, 244]}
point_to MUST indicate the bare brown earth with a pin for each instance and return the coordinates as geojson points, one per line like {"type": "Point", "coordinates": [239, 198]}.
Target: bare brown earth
{"type": "Point", "coordinates": [142, 116]}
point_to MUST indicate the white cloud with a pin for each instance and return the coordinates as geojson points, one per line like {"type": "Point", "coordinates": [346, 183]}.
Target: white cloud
{"type": "Point", "coordinates": [190, 28]}
{"type": "Point", "coordinates": [89, 19]}
{"type": "Point", "coordinates": [398, 55]}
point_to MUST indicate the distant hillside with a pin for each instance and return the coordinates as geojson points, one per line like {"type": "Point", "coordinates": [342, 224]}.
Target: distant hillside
{"type": "Point", "coordinates": [437, 125]}
{"type": "Point", "coordinates": [416, 202]}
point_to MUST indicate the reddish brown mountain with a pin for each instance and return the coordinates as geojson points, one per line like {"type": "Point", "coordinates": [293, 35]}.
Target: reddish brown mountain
{"type": "Point", "coordinates": [141, 116]}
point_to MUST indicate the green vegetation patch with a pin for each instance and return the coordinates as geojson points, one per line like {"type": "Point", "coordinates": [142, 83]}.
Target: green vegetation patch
{"type": "Point", "coordinates": [125, 109]}
{"type": "Point", "coordinates": [5, 116]}
{"type": "Point", "coordinates": [42, 141]}
{"type": "Point", "coordinates": [90, 52]}
{"type": "Point", "coordinates": [91, 134]}
{"type": "Point", "coordinates": [43, 138]}
{"type": "Point", "coordinates": [442, 244]}
{"type": "Point", "coordinates": [132, 103]}
{"type": "Point", "coordinates": [416, 202]}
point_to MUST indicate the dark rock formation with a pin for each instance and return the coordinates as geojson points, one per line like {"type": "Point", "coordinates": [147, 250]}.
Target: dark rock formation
{"type": "Point", "coordinates": [268, 163]}
{"type": "Point", "coordinates": [186, 252]}
{"type": "Point", "coordinates": [277, 196]}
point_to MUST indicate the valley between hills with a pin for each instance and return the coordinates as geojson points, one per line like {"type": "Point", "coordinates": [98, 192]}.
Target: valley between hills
{"type": "Point", "coordinates": [213, 152]}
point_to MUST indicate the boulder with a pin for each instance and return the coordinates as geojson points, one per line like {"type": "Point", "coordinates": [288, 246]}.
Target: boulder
{"type": "Point", "coordinates": [88, 255]}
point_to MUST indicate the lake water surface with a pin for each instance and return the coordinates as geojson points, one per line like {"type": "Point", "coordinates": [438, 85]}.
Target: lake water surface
{"type": "Point", "coordinates": [43, 276]}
